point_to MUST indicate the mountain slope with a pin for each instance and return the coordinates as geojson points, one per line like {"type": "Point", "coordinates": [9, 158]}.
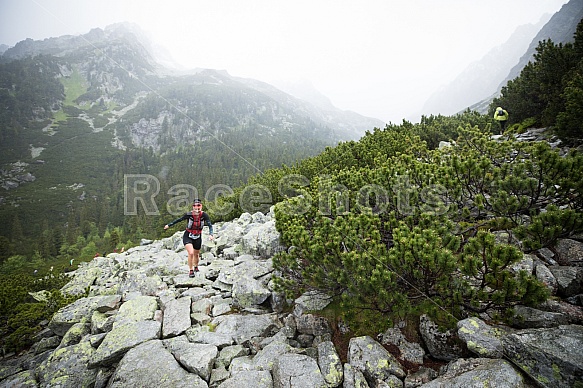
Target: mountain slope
{"type": "Point", "coordinates": [482, 81]}
{"type": "Point", "coordinates": [347, 124]}
{"type": "Point", "coordinates": [481, 78]}
{"type": "Point", "coordinates": [560, 29]}
{"type": "Point", "coordinates": [79, 113]}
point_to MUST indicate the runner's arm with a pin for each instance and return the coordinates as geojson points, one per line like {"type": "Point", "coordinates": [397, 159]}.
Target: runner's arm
{"type": "Point", "coordinates": [208, 223]}
{"type": "Point", "coordinates": [176, 221]}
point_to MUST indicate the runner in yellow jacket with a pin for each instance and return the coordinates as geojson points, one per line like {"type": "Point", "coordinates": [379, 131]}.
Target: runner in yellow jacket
{"type": "Point", "coordinates": [501, 116]}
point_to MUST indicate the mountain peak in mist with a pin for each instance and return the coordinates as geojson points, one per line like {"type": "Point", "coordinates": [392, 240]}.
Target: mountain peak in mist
{"type": "Point", "coordinates": [482, 78]}
{"type": "Point", "coordinates": [304, 90]}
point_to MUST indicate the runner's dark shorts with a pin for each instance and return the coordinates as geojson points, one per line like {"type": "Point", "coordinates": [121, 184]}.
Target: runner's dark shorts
{"type": "Point", "coordinates": [196, 242]}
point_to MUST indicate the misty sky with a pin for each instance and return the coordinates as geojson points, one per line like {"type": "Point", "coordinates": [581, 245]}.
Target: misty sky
{"type": "Point", "coordinates": [380, 58]}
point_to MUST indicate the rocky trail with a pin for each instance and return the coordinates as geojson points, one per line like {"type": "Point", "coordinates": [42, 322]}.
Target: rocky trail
{"type": "Point", "coordinates": [145, 323]}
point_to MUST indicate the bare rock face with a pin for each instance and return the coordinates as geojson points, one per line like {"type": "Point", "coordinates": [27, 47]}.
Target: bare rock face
{"type": "Point", "coordinates": [553, 357]}
{"type": "Point", "coordinates": [295, 370]}
{"type": "Point", "coordinates": [475, 372]}
{"type": "Point", "coordinates": [375, 362]}
{"type": "Point", "coordinates": [569, 280]}
{"type": "Point", "coordinates": [480, 338]}
{"type": "Point", "coordinates": [146, 323]}
{"type": "Point", "coordinates": [570, 252]}
{"type": "Point", "coordinates": [441, 345]}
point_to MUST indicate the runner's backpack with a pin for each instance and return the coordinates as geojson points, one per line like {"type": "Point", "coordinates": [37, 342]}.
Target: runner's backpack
{"type": "Point", "coordinates": [197, 223]}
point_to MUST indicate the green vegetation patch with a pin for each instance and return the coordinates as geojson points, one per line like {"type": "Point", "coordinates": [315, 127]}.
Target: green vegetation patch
{"type": "Point", "coordinates": [75, 86]}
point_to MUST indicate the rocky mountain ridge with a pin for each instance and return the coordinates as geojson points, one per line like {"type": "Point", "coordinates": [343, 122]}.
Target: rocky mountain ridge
{"type": "Point", "coordinates": [146, 323]}
{"type": "Point", "coordinates": [482, 81]}
{"type": "Point", "coordinates": [79, 111]}
{"type": "Point", "coordinates": [560, 29]}
{"type": "Point", "coordinates": [150, 58]}
{"type": "Point", "coordinates": [481, 78]}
